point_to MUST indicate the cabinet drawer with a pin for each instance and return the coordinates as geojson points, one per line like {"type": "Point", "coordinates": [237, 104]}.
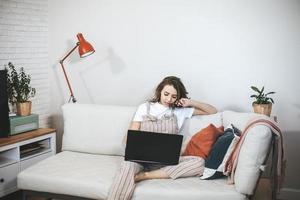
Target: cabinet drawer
{"type": "Point", "coordinates": [8, 178]}
{"type": "Point", "coordinates": [27, 163]}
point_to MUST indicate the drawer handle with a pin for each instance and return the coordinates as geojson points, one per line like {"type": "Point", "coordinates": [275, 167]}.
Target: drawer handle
{"type": "Point", "coordinates": [2, 180]}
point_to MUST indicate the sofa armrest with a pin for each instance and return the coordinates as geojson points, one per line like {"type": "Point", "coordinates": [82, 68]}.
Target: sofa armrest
{"type": "Point", "coordinates": [253, 152]}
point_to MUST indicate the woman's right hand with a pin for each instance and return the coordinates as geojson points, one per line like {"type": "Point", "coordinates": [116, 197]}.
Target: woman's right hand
{"type": "Point", "coordinates": [184, 102]}
{"type": "Point", "coordinates": [135, 125]}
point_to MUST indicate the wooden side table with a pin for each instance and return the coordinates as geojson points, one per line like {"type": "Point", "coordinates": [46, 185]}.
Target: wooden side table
{"type": "Point", "coordinates": [264, 189]}
{"type": "Point", "coordinates": [20, 151]}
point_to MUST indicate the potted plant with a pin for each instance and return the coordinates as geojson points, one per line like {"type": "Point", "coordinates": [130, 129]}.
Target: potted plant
{"type": "Point", "coordinates": [19, 89]}
{"type": "Point", "coordinates": [263, 103]}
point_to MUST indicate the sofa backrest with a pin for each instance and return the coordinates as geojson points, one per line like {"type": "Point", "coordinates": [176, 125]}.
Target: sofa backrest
{"type": "Point", "coordinates": [95, 129]}
{"type": "Point", "coordinates": [197, 123]}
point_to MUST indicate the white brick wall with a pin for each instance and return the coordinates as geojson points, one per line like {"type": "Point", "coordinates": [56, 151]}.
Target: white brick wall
{"type": "Point", "coordinates": [24, 42]}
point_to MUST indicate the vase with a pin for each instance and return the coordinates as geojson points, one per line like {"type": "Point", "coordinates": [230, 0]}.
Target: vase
{"type": "Point", "coordinates": [24, 108]}
{"type": "Point", "coordinates": [263, 108]}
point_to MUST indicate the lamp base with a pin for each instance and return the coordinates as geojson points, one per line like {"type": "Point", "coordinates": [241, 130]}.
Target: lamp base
{"type": "Point", "coordinates": [73, 99]}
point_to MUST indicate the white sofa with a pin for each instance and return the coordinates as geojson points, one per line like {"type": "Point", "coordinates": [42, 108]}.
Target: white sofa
{"type": "Point", "coordinates": [92, 151]}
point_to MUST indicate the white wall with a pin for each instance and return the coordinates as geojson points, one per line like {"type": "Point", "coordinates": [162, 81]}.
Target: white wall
{"type": "Point", "coordinates": [24, 42]}
{"type": "Point", "coordinates": [218, 48]}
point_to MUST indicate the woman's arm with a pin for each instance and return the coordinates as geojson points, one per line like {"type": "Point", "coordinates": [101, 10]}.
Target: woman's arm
{"type": "Point", "coordinates": [200, 108]}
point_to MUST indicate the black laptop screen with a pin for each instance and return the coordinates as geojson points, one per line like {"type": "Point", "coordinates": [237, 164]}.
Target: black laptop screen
{"type": "Point", "coordinates": [149, 147]}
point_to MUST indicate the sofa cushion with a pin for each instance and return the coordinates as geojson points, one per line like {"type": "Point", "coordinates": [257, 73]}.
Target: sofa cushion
{"type": "Point", "coordinates": [72, 173]}
{"type": "Point", "coordinates": [96, 128]}
{"type": "Point", "coordinates": [90, 176]}
{"type": "Point", "coordinates": [201, 143]}
{"type": "Point", "coordinates": [186, 188]}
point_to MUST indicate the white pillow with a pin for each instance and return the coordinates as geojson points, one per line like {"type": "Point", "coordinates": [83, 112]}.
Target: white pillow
{"type": "Point", "coordinates": [94, 128]}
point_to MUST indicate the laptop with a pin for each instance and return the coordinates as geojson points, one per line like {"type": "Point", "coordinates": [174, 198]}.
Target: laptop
{"type": "Point", "coordinates": [150, 147]}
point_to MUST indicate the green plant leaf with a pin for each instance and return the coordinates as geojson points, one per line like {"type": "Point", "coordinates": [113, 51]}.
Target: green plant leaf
{"type": "Point", "coordinates": [270, 93]}
{"type": "Point", "coordinates": [255, 89]}
{"type": "Point", "coordinates": [262, 89]}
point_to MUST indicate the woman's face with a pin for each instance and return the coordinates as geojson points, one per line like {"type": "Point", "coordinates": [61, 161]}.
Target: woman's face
{"type": "Point", "coordinates": [168, 95]}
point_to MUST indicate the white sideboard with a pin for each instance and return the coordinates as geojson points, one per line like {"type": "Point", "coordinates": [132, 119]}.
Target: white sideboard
{"type": "Point", "coordinates": [21, 151]}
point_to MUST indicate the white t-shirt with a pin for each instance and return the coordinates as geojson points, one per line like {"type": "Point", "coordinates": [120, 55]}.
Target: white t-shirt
{"type": "Point", "coordinates": [158, 110]}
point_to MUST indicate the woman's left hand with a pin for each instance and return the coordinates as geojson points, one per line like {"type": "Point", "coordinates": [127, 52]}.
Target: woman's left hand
{"type": "Point", "coordinates": [184, 102]}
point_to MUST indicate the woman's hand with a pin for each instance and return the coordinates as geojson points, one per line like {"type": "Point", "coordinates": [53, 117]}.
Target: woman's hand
{"type": "Point", "coordinates": [184, 102]}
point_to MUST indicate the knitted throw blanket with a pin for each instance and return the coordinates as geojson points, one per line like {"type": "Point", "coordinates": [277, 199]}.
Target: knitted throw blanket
{"type": "Point", "coordinates": [232, 161]}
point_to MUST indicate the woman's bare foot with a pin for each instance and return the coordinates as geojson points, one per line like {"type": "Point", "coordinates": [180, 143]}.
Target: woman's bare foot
{"type": "Point", "coordinates": [156, 174]}
{"type": "Point", "coordinates": [140, 176]}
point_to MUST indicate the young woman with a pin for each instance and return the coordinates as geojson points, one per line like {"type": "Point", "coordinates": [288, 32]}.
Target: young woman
{"type": "Point", "coordinates": [165, 113]}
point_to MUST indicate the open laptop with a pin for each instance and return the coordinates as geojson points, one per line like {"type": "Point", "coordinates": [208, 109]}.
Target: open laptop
{"type": "Point", "coordinates": [150, 147]}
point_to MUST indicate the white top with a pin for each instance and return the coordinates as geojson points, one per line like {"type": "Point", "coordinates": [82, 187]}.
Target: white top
{"type": "Point", "coordinates": [158, 110]}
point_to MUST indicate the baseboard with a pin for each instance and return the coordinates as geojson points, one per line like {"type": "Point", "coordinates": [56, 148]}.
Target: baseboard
{"type": "Point", "coordinates": [289, 194]}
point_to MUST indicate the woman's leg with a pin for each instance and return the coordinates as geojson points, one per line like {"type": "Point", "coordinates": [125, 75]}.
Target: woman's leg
{"type": "Point", "coordinates": [188, 166]}
{"type": "Point", "coordinates": [123, 185]}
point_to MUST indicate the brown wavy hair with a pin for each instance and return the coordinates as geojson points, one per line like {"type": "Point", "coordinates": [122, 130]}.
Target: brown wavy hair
{"type": "Point", "coordinates": [176, 83]}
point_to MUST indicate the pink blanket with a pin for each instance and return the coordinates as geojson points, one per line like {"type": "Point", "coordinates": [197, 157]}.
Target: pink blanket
{"type": "Point", "coordinates": [232, 161]}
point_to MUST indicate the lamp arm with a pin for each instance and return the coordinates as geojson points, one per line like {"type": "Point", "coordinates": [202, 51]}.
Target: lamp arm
{"type": "Point", "coordinates": [65, 74]}
{"type": "Point", "coordinates": [62, 60]}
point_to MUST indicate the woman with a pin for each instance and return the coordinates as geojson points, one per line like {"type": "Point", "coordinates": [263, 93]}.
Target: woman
{"type": "Point", "coordinates": [166, 113]}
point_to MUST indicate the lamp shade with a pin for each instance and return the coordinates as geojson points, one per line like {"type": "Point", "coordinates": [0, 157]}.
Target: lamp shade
{"type": "Point", "coordinates": [84, 48]}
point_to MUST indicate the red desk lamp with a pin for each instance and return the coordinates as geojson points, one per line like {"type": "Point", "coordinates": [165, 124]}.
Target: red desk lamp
{"type": "Point", "coordinates": [85, 49]}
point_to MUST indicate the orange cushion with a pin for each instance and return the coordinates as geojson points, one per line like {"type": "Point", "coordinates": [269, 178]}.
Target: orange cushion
{"type": "Point", "coordinates": [201, 143]}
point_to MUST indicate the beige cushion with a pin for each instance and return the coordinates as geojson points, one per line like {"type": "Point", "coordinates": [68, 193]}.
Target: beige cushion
{"type": "Point", "coordinates": [72, 173]}
{"type": "Point", "coordinates": [186, 189]}
{"type": "Point", "coordinates": [96, 128]}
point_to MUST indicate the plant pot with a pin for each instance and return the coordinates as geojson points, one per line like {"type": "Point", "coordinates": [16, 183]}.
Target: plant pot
{"type": "Point", "coordinates": [24, 108]}
{"type": "Point", "coordinates": [262, 108]}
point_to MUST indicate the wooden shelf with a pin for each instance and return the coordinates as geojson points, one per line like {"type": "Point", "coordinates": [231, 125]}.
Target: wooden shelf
{"type": "Point", "coordinates": [25, 136]}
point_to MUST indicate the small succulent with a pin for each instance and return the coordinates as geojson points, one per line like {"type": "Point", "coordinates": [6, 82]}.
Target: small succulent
{"type": "Point", "coordinates": [261, 97]}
